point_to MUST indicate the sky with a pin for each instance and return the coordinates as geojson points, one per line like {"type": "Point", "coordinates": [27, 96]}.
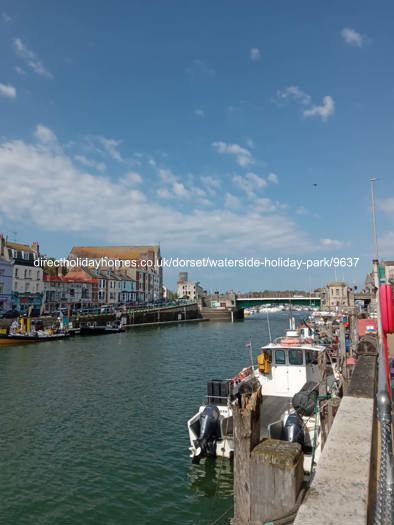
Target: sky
{"type": "Point", "coordinates": [215, 128]}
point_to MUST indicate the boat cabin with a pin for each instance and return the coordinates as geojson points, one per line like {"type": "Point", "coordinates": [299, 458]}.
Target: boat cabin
{"type": "Point", "coordinates": [285, 366]}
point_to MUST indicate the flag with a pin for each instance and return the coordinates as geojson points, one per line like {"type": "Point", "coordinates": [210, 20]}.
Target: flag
{"type": "Point", "coordinates": [248, 344]}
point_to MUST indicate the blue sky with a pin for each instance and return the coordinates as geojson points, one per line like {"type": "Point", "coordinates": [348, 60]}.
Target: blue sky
{"type": "Point", "coordinates": [220, 128]}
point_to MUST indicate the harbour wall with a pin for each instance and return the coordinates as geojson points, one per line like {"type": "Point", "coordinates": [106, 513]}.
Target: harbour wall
{"type": "Point", "coordinates": [344, 485]}
{"type": "Point", "coordinates": [137, 317]}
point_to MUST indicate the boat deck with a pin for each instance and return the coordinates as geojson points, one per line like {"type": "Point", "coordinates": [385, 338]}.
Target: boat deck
{"type": "Point", "coordinates": [272, 407]}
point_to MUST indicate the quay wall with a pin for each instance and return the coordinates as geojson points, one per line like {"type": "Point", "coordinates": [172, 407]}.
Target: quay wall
{"type": "Point", "coordinates": [344, 483]}
{"type": "Point", "coordinates": [170, 314]}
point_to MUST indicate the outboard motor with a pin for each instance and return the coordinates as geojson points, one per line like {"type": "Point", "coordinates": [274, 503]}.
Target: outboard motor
{"type": "Point", "coordinates": [293, 430]}
{"type": "Point", "coordinates": [209, 433]}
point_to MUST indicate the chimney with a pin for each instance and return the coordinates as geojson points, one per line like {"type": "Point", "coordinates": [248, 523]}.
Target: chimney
{"type": "Point", "coordinates": [35, 247]}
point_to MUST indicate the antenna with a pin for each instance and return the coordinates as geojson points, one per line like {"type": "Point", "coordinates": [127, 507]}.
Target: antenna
{"type": "Point", "coordinates": [249, 345]}
{"type": "Point", "coordinates": [269, 326]}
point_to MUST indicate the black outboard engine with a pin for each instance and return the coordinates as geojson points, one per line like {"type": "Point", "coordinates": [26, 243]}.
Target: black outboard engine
{"type": "Point", "coordinates": [209, 432]}
{"type": "Point", "coordinates": [293, 431]}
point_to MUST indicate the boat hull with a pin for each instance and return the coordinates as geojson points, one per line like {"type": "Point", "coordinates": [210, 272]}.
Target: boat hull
{"type": "Point", "coordinates": [10, 340]}
{"type": "Point", "coordinates": [99, 330]}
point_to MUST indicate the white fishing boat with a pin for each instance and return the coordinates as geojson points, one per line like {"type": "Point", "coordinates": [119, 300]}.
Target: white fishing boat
{"type": "Point", "coordinates": [287, 366]}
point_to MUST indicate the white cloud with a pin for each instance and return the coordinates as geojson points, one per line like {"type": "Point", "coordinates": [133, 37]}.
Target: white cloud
{"type": "Point", "coordinates": [265, 205]}
{"type": "Point", "coordinates": [132, 178]}
{"type": "Point", "coordinates": [231, 201]}
{"type": "Point", "coordinates": [200, 67]}
{"type": "Point", "coordinates": [44, 186]}
{"type": "Point", "coordinates": [332, 243]}
{"type": "Point", "coordinates": [273, 177]}
{"type": "Point", "coordinates": [31, 58]}
{"type": "Point", "coordinates": [242, 155]}
{"type": "Point", "coordinates": [352, 37]}
{"type": "Point", "coordinates": [100, 166]}
{"type": "Point", "coordinates": [324, 111]}
{"type": "Point", "coordinates": [166, 176]}
{"type": "Point", "coordinates": [110, 147]}
{"type": "Point", "coordinates": [255, 54]}
{"type": "Point", "coordinates": [250, 143]}
{"type": "Point", "coordinates": [211, 182]}
{"type": "Point", "coordinates": [295, 93]}
{"type": "Point", "coordinates": [6, 18]}
{"type": "Point", "coordinates": [20, 71]}
{"type": "Point", "coordinates": [250, 183]}
{"type": "Point", "coordinates": [6, 90]}
{"type": "Point", "coordinates": [200, 113]}
{"type": "Point", "coordinates": [45, 135]}
{"type": "Point", "coordinates": [386, 205]}
{"type": "Point", "coordinates": [180, 191]}
{"type": "Point", "coordinates": [163, 193]}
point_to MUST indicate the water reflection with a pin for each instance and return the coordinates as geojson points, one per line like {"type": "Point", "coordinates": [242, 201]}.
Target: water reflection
{"type": "Point", "coordinates": [212, 477]}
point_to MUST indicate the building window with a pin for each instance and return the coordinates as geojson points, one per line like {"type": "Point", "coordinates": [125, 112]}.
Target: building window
{"type": "Point", "coordinates": [16, 272]}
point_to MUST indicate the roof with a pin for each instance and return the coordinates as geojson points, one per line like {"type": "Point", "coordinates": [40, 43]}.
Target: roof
{"type": "Point", "coordinates": [337, 283]}
{"type": "Point", "coordinates": [115, 252]}
{"type": "Point", "coordinates": [80, 275]}
{"type": "Point", "coordinates": [19, 247]}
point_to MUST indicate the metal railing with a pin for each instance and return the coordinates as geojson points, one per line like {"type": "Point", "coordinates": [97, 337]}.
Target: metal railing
{"type": "Point", "coordinates": [384, 510]}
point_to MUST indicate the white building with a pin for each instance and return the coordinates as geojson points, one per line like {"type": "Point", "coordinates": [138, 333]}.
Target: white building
{"type": "Point", "coordinates": [186, 289]}
{"type": "Point", "coordinates": [336, 294]}
{"type": "Point", "coordinates": [27, 279]}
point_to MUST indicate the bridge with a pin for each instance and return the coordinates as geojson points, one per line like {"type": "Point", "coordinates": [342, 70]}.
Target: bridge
{"type": "Point", "coordinates": [250, 302]}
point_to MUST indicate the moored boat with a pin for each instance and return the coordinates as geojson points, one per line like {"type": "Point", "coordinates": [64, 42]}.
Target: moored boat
{"type": "Point", "coordinates": [287, 366]}
{"type": "Point", "coordinates": [101, 330]}
{"type": "Point", "coordinates": [23, 331]}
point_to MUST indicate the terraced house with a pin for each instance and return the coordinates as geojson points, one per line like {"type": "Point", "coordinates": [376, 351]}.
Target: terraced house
{"type": "Point", "coordinates": [27, 280]}
{"type": "Point", "coordinates": [144, 270]}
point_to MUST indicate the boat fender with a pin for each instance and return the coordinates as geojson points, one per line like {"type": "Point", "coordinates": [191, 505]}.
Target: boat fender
{"type": "Point", "coordinates": [386, 305]}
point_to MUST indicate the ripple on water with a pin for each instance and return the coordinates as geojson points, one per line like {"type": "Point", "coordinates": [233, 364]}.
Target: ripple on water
{"type": "Point", "coordinates": [94, 429]}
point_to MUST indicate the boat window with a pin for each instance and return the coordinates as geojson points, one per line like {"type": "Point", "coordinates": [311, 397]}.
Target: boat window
{"type": "Point", "coordinates": [280, 357]}
{"type": "Point", "coordinates": [311, 357]}
{"type": "Point", "coordinates": [296, 357]}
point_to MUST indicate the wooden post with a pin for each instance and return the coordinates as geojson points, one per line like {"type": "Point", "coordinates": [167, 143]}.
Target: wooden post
{"type": "Point", "coordinates": [323, 392]}
{"type": "Point", "coordinates": [276, 479]}
{"type": "Point", "coordinates": [246, 421]}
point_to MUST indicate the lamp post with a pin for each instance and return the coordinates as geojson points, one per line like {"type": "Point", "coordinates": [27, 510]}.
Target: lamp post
{"type": "Point", "coordinates": [375, 235]}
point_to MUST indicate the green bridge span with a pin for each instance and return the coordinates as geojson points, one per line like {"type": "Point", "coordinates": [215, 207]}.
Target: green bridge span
{"type": "Point", "coordinates": [250, 302]}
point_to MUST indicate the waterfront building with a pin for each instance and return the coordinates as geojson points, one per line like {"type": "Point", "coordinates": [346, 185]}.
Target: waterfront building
{"type": "Point", "coordinates": [6, 270]}
{"type": "Point", "coordinates": [144, 267]}
{"type": "Point", "coordinates": [75, 291]}
{"type": "Point", "coordinates": [336, 295]}
{"type": "Point", "coordinates": [186, 289]}
{"type": "Point", "coordinates": [27, 280]}
{"type": "Point", "coordinates": [389, 271]}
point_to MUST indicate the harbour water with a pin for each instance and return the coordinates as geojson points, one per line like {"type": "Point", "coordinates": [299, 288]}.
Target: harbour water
{"type": "Point", "coordinates": [93, 430]}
